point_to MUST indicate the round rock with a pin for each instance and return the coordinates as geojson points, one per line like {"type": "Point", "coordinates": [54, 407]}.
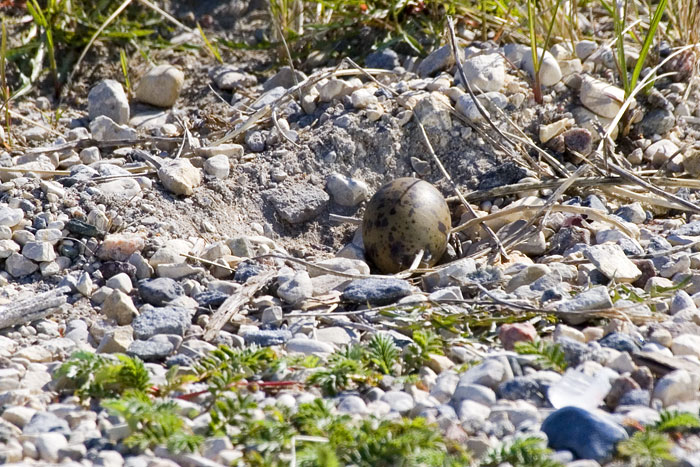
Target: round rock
{"type": "Point", "coordinates": [160, 86]}
{"type": "Point", "coordinates": [585, 434]}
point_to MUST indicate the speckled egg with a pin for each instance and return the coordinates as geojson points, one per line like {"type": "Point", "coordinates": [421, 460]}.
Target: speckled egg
{"type": "Point", "coordinates": [405, 216]}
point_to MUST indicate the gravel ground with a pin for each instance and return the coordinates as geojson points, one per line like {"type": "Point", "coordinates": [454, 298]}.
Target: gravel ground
{"type": "Point", "coordinates": [132, 228]}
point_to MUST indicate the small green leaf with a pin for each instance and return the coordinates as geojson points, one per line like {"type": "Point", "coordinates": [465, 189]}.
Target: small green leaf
{"type": "Point", "coordinates": [549, 355]}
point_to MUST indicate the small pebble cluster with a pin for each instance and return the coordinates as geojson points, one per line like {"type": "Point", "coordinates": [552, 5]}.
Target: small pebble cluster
{"type": "Point", "coordinates": [156, 296]}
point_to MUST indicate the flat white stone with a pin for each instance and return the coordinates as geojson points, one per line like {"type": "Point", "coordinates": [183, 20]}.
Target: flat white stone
{"type": "Point", "coordinates": [610, 260]}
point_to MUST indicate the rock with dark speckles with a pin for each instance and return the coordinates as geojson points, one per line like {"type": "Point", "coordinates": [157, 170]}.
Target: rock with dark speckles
{"type": "Point", "coordinates": [376, 291]}
{"type": "Point", "coordinates": [83, 229]}
{"type": "Point", "coordinates": [300, 205]}
{"type": "Point", "coordinates": [246, 270]}
{"type": "Point", "coordinates": [163, 320]}
{"type": "Point", "coordinates": [266, 338]}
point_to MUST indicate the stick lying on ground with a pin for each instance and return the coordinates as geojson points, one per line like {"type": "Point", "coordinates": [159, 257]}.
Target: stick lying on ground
{"type": "Point", "coordinates": [34, 308]}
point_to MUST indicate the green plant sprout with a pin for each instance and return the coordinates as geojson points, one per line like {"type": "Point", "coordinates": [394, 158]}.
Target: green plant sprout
{"type": "Point", "coordinates": [125, 69]}
{"type": "Point", "coordinates": [549, 355]}
{"type": "Point", "coordinates": [619, 20]}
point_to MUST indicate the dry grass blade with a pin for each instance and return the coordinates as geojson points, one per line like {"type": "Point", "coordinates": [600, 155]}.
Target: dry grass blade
{"type": "Point", "coordinates": [676, 201]}
{"type": "Point", "coordinates": [87, 142]}
{"type": "Point", "coordinates": [309, 265]}
{"type": "Point", "coordinates": [507, 190]}
{"type": "Point", "coordinates": [467, 85]}
{"type": "Point", "coordinates": [520, 235]}
{"type": "Point", "coordinates": [54, 173]}
{"type": "Point", "coordinates": [281, 131]}
{"type": "Point", "coordinates": [33, 123]}
{"type": "Point", "coordinates": [445, 174]}
{"type": "Point", "coordinates": [166, 15]}
{"type": "Point", "coordinates": [532, 210]}
{"type": "Point", "coordinates": [644, 198]}
{"type": "Point", "coordinates": [94, 37]}
{"type": "Point", "coordinates": [265, 111]}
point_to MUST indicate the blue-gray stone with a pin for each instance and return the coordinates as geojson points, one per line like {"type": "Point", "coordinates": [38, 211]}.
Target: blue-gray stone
{"type": "Point", "coordinates": [552, 294]}
{"type": "Point", "coordinates": [484, 275]}
{"type": "Point", "coordinates": [592, 201]}
{"type": "Point", "coordinates": [629, 247]}
{"type": "Point", "coordinates": [246, 270]}
{"type": "Point", "coordinates": [689, 460]}
{"type": "Point", "coordinates": [657, 122]}
{"type": "Point", "coordinates": [376, 291]}
{"type": "Point", "coordinates": [150, 350]}
{"type": "Point", "coordinates": [210, 298]}
{"type": "Point", "coordinates": [255, 140]}
{"type": "Point", "coordinates": [567, 237]}
{"type": "Point", "coordinates": [522, 387]}
{"type": "Point", "coordinates": [635, 397]}
{"type": "Point", "coordinates": [658, 244]}
{"type": "Point", "coordinates": [112, 268]}
{"type": "Point", "coordinates": [691, 229]}
{"type": "Point", "coordinates": [401, 340]}
{"type": "Point", "coordinates": [270, 97]}
{"type": "Point", "coordinates": [562, 457]}
{"type": "Point", "coordinates": [46, 422]}
{"type": "Point", "coordinates": [447, 411]}
{"type": "Point", "coordinates": [678, 240]}
{"type": "Point", "coordinates": [268, 337]}
{"type": "Point", "coordinates": [165, 320]}
{"type": "Point", "coordinates": [385, 59]}
{"type": "Point", "coordinates": [619, 341]}
{"type": "Point", "coordinates": [83, 172]}
{"type": "Point", "coordinates": [575, 352]}
{"type": "Point", "coordinates": [633, 213]}
{"type": "Point", "coordinates": [39, 223]}
{"type": "Point", "coordinates": [159, 291]}
{"type": "Point", "coordinates": [546, 282]}
{"type": "Point", "coordinates": [353, 405]}
{"type": "Point", "coordinates": [179, 360]}
{"type": "Point", "coordinates": [585, 434]}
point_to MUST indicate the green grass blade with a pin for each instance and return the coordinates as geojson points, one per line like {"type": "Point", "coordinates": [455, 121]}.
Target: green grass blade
{"type": "Point", "coordinates": [608, 7]}
{"type": "Point", "coordinates": [545, 46]}
{"type": "Point", "coordinates": [214, 51]}
{"type": "Point", "coordinates": [3, 58]}
{"type": "Point", "coordinates": [125, 68]}
{"type": "Point", "coordinates": [619, 20]}
{"type": "Point", "coordinates": [533, 36]}
{"type": "Point", "coordinates": [658, 13]}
